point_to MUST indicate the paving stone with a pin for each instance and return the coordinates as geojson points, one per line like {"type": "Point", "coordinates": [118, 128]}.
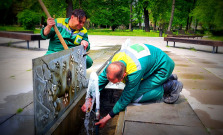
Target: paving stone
{"type": "Point", "coordinates": [18, 125]}
{"type": "Point", "coordinates": [216, 131]}
{"type": "Point", "coordinates": [202, 84]}
{"type": "Point", "coordinates": [216, 71]}
{"type": "Point", "coordinates": [13, 103]}
{"type": "Point", "coordinates": [179, 113]}
{"type": "Point", "coordinates": [138, 128]}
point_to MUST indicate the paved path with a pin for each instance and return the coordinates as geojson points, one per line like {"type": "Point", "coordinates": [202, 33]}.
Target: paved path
{"type": "Point", "coordinates": [200, 71]}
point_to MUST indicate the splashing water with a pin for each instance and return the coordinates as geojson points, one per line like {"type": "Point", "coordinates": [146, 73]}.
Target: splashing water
{"type": "Point", "coordinates": [92, 91]}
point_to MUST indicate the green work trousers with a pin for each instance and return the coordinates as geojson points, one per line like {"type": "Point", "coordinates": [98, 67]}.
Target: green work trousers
{"type": "Point", "coordinates": [151, 88]}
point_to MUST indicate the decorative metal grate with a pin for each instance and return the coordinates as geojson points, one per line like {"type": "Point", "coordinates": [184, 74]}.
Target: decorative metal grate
{"type": "Point", "coordinates": [58, 79]}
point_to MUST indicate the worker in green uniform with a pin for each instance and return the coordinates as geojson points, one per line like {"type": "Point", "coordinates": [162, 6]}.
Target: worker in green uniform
{"type": "Point", "coordinates": [72, 31]}
{"type": "Point", "coordinates": [147, 74]}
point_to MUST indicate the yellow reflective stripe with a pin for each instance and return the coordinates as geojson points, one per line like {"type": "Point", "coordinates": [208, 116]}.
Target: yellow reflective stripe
{"type": "Point", "coordinates": [78, 40]}
{"type": "Point", "coordinates": [133, 57]}
{"type": "Point", "coordinates": [84, 30]}
{"type": "Point", "coordinates": [131, 65]}
{"type": "Point", "coordinates": [62, 21]}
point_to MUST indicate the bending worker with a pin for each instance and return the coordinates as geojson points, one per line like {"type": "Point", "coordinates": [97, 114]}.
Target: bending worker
{"type": "Point", "coordinates": [147, 73]}
{"type": "Point", "coordinates": [72, 31]}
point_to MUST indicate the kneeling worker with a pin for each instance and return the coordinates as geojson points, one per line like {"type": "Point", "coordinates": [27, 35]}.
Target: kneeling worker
{"type": "Point", "coordinates": [147, 73]}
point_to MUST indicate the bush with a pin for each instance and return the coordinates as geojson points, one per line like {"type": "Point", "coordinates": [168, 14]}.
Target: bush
{"type": "Point", "coordinates": [217, 32]}
{"type": "Point", "coordinates": [28, 19]}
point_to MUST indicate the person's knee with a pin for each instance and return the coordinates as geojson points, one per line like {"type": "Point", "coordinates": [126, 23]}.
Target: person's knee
{"type": "Point", "coordinates": [152, 95]}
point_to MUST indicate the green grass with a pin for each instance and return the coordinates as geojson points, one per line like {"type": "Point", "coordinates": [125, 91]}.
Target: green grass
{"type": "Point", "coordinates": [193, 49]}
{"type": "Point", "coordinates": [19, 110]}
{"type": "Point", "coordinates": [94, 31]}
{"type": "Point", "coordinates": [122, 32]}
{"type": "Point", "coordinates": [12, 28]}
{"type": "Point", "coordinates": [12, 76]}
{"type": "Point", "coordinates": [108, 32]}
{"type": "Point", "coordinates": [29, 70]}
{"type": "Point", "coordinates": [16, 28]}
{"type": "Point", "coordinates": [218, 38]}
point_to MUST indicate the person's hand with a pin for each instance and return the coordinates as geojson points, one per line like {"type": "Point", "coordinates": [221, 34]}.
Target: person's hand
{"type": "Point", "coordinates": [84, 43]}
{"type": "Point", "coordinates": [103, 121]}
{"type": "Point", "coordinates": [87, 105]}
{"type": "Point", "coordinates": [50, 24]}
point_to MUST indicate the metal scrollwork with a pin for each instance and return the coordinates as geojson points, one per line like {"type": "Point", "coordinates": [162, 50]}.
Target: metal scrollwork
{"type": "Point", "coordinates": [57, 81]}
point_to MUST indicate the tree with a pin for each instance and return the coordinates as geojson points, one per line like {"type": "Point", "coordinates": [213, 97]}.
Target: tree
{"type": "Point", "coordinates": [109, 12]}
{"type": "Point", "coordinates": [160, 10]}
{"type": "Point", "coordinates": [7, 16]}
{"type": "Point", "coordinates": [137, 13]}
{"type": "Point", "coordinates": [182, 11]}
{"type": "Point", "coordinates": [28, 19]}
{"type": "Point", "coordinates": [172, 14]}
{"type": "Point", "coordinates": [145, 7]}
{"type": "Point", "coordinates": [209, 13]}
{"type": "Point", "coordinates": [146, 19]}
{"type": "Point", "coordinates": [130, 21]}
{"type": "Point", "coordinates": [56, 7]}
{"type": "Point", "coordinates": [69, 8]}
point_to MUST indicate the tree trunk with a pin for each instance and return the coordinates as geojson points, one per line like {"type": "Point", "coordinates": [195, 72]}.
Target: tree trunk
{"type": "Point", "coordinates": [195, 28]}
{"type": "Point", "coordinates": [154, 28]}
{"type": "Point", "coordinates": [130, 21]}
{"type": "Point", "coordinates": [80, 4]}
{"type": "Point", "coordinates": [113, 28]}
{"type": "Point", "coordinates": [146, 20]}
{"type": "Point", "coordinates": [191, 18]}
{"type": "Point", "coordinates": [140, 25]}
{"type": "Point", "coordinates": [69, 8]}
{"type": "Point", "coordinates": [172, 14]}
{"type": "Point", "coordinates": [187, 26]}
{"type": "Point", "coordinates": [180, 28]}
{"type": "Point", "coordinates": [190, 21]}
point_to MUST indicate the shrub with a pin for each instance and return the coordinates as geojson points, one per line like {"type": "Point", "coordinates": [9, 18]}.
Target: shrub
{"type": "Point", "coordinates": [217, 32]}
{"type": "Point", "coordinates": [28, 19]}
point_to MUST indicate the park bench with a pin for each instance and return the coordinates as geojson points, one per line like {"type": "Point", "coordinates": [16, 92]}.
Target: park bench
{"type": "Point", "coordinates": [215, 44]}
{"type": "Point", "coordinates": [181, 32]}
{"type": "Point", "coordinates": [185, 36]}
{"type": "Point", "coordinates": [170, 33]}
{"type": "Point", "coordinates": [23, 36]}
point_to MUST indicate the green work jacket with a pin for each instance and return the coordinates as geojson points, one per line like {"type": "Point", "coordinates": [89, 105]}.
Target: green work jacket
{"type": "Point", "coordinates": [72, 38]}
{"type": "Point", "coordinates": [141, 61]}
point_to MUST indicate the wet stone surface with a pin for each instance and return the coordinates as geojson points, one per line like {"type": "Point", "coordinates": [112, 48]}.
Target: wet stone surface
{"type": "Point", "coordinates": [58, 78]}
{"type": "Point", "coordinates": [161, 118]}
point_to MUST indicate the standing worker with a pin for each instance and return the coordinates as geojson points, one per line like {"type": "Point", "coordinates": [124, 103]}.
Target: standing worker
{"type": "Point", "coordinates": [147, 73]}
{"type": "Point", "coordinates": [72, 31]}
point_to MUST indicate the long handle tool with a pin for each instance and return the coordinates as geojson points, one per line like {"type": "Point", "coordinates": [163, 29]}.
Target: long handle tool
{"type": "Point", "coordinates": [55, 27]}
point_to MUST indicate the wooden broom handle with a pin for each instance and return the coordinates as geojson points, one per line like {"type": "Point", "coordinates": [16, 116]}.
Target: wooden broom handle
{"type": "Point", "coordinates": [54, 26]}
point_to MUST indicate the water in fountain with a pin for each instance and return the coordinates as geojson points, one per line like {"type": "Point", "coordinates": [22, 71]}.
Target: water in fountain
{"type": "Point", "coordinates": [91, 92]}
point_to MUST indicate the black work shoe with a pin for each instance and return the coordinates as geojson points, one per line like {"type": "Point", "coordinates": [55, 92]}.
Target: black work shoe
{"type": "Point", "coordinates": [173, 96]}
{"type": "Point", "coordinates": [173, 77]}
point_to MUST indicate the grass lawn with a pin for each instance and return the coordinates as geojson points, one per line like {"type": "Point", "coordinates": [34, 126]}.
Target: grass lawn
{"type": "Point", "coordinates": [218, 38]}
{"type": "Point", "coordinates": [16, 28]}
{"type": "Point", "coordinates": [110, 32]}
{"type": "Point", "coordinates": [123, 32]}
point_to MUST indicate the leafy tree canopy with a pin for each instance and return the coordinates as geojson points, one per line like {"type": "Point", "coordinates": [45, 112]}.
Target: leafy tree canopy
{"type": "Point", "coordinates": [209, 13]}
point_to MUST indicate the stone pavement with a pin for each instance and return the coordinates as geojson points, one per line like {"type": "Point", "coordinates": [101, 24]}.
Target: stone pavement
{"type": "Point", "coordinates": [200, 71]}
{"type": "Point", "coordinates": [163, 119]}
